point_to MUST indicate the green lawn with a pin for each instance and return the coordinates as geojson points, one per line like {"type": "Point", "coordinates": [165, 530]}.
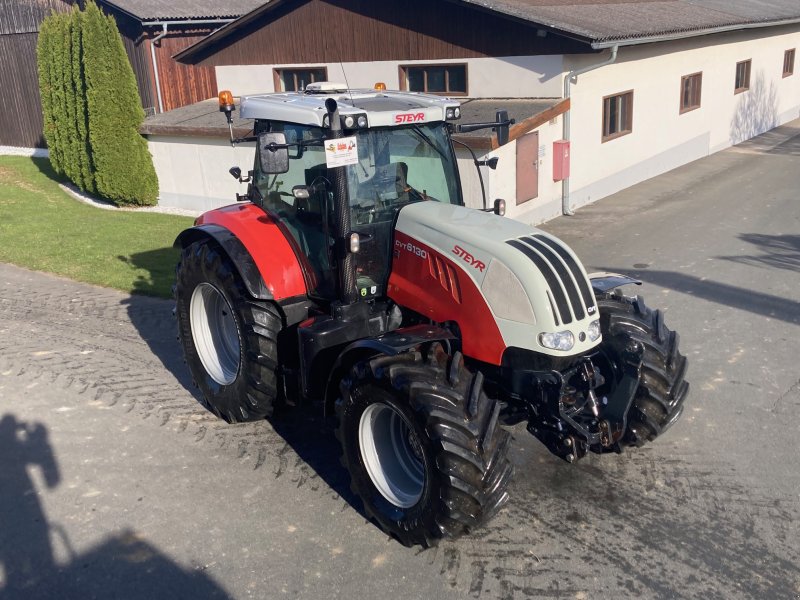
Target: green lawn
{"type": "Point", "coordinates": [44, 229]}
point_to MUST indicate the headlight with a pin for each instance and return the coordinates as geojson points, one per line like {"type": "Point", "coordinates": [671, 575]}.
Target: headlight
{"type": "Point", "coordinates": [562, 340]}
{"type": "Point", "coordinates": [594, 331]}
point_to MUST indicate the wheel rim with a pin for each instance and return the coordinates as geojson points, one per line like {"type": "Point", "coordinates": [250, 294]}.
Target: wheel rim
{"type": "Point", "coordinates": [215, 334]}
{"type": "Point", "coordinates": [392, 455]}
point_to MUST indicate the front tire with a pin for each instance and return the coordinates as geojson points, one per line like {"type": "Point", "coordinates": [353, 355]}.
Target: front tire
{"type": "Point", "coordinates": [421, 441]}
{"type": "Point", "coordinates": [229, 339]}
{"type": "Point", "coordinates": [662, 389]}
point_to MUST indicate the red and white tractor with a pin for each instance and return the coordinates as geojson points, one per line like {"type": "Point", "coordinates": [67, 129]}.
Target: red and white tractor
{"type": "Point", "coordinates": [352, 276]}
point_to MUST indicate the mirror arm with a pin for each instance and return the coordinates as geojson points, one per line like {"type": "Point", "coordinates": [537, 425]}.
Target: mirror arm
{"type": "Point", "coordinates": [249, 138]}
{"type": "Point", "coordinates": [478, 167]}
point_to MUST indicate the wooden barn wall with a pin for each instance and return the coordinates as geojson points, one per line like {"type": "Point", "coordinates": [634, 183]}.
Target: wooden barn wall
{"type": "Point", "coordinates": [313, 31]}
{"type": "Point", "coordinates": [21, 118]}
{"type": "Point", "coordinates": [25, 16]}
{"type": "Point", "coordinates": [183, 84]}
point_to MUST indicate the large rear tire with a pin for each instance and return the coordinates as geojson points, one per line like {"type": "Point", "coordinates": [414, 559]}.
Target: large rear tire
{"type": "Point", "coordinates": [662, 389]}
{"type": "Point", "coordinates": [229, 339]}
{"type": "Point", "coordinates": [423, 446]}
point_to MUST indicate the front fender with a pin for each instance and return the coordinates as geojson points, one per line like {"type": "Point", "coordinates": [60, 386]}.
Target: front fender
{"type": "Point", "coordinates": [605, 282]}
{"type": "Point", "coordinates": [390, 344]}
{"type": "Point", "coordinates": [256, 245]}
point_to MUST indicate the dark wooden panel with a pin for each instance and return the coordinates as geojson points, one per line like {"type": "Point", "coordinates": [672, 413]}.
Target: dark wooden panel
{"type": "Point", "coordinates": [183, 84]}
{"type": "Point", "coordinates": [21, 116]}
{"type": "Point", "coordinates": [314, 31]}
{"type": "Point", "coordinates": [25, 16]}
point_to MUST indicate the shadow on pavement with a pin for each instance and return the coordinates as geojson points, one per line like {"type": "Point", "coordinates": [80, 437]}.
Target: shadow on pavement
{"type": "Point", "coordinates": [153, 317]}
{"type": "Point", "coordinates": [745, 299]}
{"type": "Point", "coordinates": [122, 565]}
{"type": "Point", "coordinates": [777, 251]}
{"type": "Point", "coordinates": [304, 429]}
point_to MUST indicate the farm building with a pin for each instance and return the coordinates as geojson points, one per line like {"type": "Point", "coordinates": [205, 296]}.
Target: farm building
{"type": "Point", "coordinates": [152, 31]}
{"type": "Point", "coordinates": [605, 94]}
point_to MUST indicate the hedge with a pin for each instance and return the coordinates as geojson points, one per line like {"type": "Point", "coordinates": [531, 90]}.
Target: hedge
{"type": "Point", "coordinates": [91, 109]}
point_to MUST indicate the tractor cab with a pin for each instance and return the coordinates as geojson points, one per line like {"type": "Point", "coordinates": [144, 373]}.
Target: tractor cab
{"type": "Point", "coordinates": [390, 167]}
{"type": "Point", "coordinates": [334, 166]}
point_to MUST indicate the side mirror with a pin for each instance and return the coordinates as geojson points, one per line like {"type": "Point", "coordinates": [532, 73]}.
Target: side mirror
{"type": "Point", "coordinates": [501, 118]}
{"type": "Point", "coordinates": [273, 153]}
{"type": "Point", "coordinates": [490, 162]}
{"type": "Point", "coordinates": [499, 207]}
{"type": "Point", "coordinates": [236, 172]}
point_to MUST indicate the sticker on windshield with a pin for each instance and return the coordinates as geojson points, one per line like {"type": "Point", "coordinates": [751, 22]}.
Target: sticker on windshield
{"type": "Point", "coordinates": [341, 152]}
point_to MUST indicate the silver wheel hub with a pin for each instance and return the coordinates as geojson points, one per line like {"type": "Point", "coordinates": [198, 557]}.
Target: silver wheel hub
{"type": "Point", "coordinates": [392, 455]}
{"type": "Point", "coordinates": [215, 334]}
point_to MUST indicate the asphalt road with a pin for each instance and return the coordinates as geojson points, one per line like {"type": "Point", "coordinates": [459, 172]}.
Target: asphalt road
{"type": "Point", "coordinates": [115, 483]}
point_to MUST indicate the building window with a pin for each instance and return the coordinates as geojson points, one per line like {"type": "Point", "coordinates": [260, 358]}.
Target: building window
{"type": "Point", "coordinates": [691, 86]}
{"type": "Point", "coordinates": [435, 79]}
{"type": "Point", "coordinates": [742, 76]}
{"type": "Point", "coordinates": [294, 80]}
{"type": "Point", "coordinates": [617, 115]}
{"type": "Point", "coordinates": [788, 63]}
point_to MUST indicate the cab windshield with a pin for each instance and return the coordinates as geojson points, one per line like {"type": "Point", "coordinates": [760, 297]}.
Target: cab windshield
{"type": "Point", "coordinates": [396, 166]}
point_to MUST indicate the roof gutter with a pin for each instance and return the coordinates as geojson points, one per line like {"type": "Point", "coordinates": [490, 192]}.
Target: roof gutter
{"type": "Point", "coordinates": [682, 35]}
{"type": "Point", "coordinates": [164, 26]}
{"type": "Point", "coordinates": [569, 79]}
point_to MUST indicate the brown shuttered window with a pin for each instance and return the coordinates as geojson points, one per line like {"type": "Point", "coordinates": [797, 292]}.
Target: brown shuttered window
{"type": "Point", "coordinates": [788, 63]}
{"type": "Point", "coordinates": [294, 80]}
{"type": "Point", "coordinates": [742, 76]}
{"type": "Point", "coordinates": [434, 79]}
{"type": "Point", "coordinates": [617, 115]}
{"type": "Point", "coordinates": [691, 87]}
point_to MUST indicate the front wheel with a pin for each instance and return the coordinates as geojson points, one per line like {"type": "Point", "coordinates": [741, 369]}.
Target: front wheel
{"type": "Point", "coordinates": [421, 441]}
{"type": "Point", "coordinates": [662, 389]}
{"type": "Point", "coordinates": [229, 339]}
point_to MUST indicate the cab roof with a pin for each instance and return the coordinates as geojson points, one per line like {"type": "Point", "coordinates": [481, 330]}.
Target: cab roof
{"type": "Point", "coordinates": [382, 108]}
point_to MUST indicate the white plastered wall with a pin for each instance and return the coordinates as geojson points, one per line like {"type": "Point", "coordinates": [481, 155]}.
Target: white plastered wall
{"type": "Point", "coordinates": [505, 77]}
{"type": "Point", "coordinates": [193, 171]}
{"type": "Point", "coordinates": [501, 182]}
{"type": "Point", "coordinates": [662, 138]}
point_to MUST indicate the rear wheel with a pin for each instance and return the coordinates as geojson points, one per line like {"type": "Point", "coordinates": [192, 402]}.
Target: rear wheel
{"type": "Point", "coordinates": [229, 340]}
{"type": "Point", "coordinates": [422, 444]}
{"type": "Point", "coordinates": [662, 389]}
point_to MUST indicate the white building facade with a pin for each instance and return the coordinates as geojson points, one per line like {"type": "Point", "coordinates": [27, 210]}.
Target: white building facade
{"type": "Point", "coordinates": [664, 101]}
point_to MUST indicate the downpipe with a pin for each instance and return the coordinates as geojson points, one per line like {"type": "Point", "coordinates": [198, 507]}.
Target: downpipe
{"type": "Point", "coordinates": [569, 79]}
{"type": "Point", "coordinates": [164, 26]}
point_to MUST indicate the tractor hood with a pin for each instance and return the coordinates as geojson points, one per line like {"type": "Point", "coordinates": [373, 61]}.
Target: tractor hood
{"type": "Point", "coordinates": [508, 261]}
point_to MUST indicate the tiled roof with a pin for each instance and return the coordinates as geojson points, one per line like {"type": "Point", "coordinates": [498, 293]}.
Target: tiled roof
{"type": "Point", "coordinates": [163, 10]}
{"type": "Point", "coordinates": [604, 22]}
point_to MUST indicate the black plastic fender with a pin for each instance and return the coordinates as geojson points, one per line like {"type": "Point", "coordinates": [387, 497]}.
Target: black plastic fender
{"type": "Point", "coordinates": [390, 344]}
{"type": "Point", "coordinates": [235, 250]}
{"type": "Point", "coordinates": [605, 282]}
